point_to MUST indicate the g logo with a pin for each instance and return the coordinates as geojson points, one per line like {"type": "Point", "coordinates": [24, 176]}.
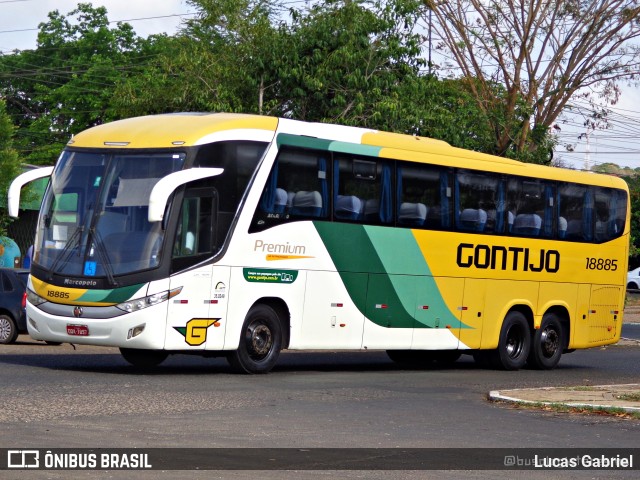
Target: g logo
{"type": "Point", "coordinates": [195, 332]}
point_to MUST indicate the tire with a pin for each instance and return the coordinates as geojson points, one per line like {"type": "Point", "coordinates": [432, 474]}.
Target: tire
{"type": "Point", "coordinates": [514, 343]}
{"type": "Point", "coordinates": [632, 286]}
{"type": "Point", "coordinates": [144, 358]}
{"type": "Point", "coordinates": [546, 344]}
{"type": "Point", "coordinates": [260, 341]}
{"type": "Point", "coordinates": [8, 330]}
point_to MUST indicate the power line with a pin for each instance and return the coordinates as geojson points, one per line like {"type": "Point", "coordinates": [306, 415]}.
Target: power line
{"type": "Point", "coordinates": [110, 22]}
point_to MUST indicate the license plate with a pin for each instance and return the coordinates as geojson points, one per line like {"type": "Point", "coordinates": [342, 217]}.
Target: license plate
{"type": "Point", "coordinates": [78, 330]}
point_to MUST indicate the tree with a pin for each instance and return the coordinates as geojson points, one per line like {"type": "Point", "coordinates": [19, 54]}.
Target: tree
{"type": "Point", "coordinates": [634, 197]}
{"type": "Point", "coordinates": [218, 62]}
{"type": "Point", "coordinates": [347, 62]}
{"type": "Point", "coordinates": [543, 53]}
{"type": "Point", "coordinates": [67, 83]}
{"type": "Point", "coordinates": [340, 61]}
{"type": "Point", "coordinates": [9, 163]}
{"type": "Point", "coordinates": [447, 110]}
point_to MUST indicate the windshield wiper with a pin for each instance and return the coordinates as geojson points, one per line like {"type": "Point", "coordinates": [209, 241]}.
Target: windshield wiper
{"type": "Point", "coordinates": [65, 254]}
{"type": "Point", "coordinates": [104, 257]}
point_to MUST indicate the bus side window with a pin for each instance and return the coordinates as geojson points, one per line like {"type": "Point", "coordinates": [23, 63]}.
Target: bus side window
{"type": "Point", "coordinates": [362, 190]}
{"type": "Point", "coordinates": [297, 189]}
{"type": "Point", "coordinates": [610, 214]}
{"type": "Point", "coordinates": [194, 235]}
{"type": "Point", "coordinates": [574, 209]}
{"type": "Point", "coordinates": [531, 204]}
{"type": "Point", "coordinates": [422, 196]}
{"type": "Point", "coordinates": [477, 204]}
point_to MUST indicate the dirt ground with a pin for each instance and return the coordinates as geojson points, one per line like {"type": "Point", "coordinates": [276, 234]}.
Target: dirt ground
{"type": "Point", "coordinates": [632, 308]}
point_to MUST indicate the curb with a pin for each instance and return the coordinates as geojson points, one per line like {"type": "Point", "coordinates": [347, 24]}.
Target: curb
{"type": "Point", "coordinates": [511, 396]}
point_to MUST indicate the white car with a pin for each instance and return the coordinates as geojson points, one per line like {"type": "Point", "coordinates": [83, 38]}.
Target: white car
{"type": "Point", "coordinates": [633, 279]}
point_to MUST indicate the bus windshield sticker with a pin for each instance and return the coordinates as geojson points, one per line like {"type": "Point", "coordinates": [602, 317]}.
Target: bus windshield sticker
{"type": "Point", "coordinates": [90, 269]}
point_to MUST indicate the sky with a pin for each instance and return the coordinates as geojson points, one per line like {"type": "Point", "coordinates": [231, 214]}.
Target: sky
{"type": "Point", "coordinates": [619, 143]}
{"type": "Point", "coordinates": [19, 21]}
{"type": "Point", "coordinates": [27, 14]}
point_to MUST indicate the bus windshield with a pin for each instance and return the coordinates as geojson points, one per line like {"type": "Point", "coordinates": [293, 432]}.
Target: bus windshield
{"type": "Point", "coordinates": [94, 222]}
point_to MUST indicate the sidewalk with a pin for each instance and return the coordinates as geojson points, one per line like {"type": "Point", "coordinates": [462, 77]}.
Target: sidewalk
{"type": "Point", "coordinates": [624, 397]}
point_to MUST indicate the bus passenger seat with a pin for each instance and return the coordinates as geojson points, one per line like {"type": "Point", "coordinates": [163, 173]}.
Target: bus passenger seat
{"type": "Point", "coordinates": [574, 230]}
{"type": "Point", "coordinates": [472, 219]}
{"type": "Point", "coordinates": [601, 231]}
{"type": "Point", "coordinates": [412, 214]}
{"type": "Point", "coordinates": [348, 207]}
{"type": "Point", "coordinates": [281, 201]}
{"type": "Point", "coordinates": [562, 227]}
{"type": "Point", "coordinates": [371, 210]}
{"type": "Point", "coordinates": [307, 204]}
{"type": "Point", "coordinates": [527, 224]}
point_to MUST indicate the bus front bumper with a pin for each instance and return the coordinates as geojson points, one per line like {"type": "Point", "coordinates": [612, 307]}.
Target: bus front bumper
{"type": "Point", "coordinates": [144, 329]}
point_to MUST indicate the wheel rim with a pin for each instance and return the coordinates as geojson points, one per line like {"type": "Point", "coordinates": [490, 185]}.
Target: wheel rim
{"type": "Point", "coordinates": [259, 340]}
{"type": "Point", "coordinates": [5, 329]}
{"type": "Point", "coordinates": [515, 341]}
{"type": "Point", "coordinates": [549, 342]}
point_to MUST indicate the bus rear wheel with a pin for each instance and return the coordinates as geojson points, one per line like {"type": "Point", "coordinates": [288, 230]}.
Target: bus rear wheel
{"type": "Point", "coordinates": [546, 344]}
{"type": "Point", "coordinates": [144, 358]}
{"type": "Point", "coordinates": [514, 343]}
{"type": "Point", "coordinates": [260, 341]}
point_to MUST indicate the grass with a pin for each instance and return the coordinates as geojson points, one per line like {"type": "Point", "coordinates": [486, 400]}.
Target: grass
{"type": "Point", "coordinates": [629, 397]}
{"type": "Point", "coordinates": [562, 408]}
{"type": "Point", "coordinates": [632, 300]}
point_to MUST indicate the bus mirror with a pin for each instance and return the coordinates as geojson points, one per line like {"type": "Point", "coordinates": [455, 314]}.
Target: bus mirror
{"type": "Point", "coordinates": [167, 185]}
{"type": "Point", "coordinates": [13, 197]}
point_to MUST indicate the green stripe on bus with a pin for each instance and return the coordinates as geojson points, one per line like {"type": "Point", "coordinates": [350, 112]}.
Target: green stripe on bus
{"type": "Point", "coordinates": [388, 299]}
{"type": "Point", "coordinates": [398, 252]}
{"type": "Point", "coordinates": [117, 295]}
{"type": "Point", "coordinates": [328, 145]}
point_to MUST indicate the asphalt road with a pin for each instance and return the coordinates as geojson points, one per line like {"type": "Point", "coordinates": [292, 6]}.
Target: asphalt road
{"type": "Point", "coordinates": [631, 330]}
{"type": "Point", "coordinates": [54, 397]}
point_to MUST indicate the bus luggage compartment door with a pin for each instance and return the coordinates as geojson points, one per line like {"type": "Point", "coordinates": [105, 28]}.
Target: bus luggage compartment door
{"type": "Point", "coordinates": [604, 314]}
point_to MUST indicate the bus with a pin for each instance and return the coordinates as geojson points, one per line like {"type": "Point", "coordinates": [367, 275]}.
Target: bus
{"type": "Point", "coordinates": [243, 235]}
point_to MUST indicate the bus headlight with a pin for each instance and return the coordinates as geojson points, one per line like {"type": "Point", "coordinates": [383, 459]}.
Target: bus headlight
{"type": "Point", "coordinates": [148, 301]}
{"type": "Point", "coordinates": [34, 298]}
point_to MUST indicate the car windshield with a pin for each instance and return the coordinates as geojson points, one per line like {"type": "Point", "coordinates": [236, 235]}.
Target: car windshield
{"type": "Point", "coordinates": [94, 220]}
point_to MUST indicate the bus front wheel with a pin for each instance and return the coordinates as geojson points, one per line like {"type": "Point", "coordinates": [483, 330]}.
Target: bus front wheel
{"type": "Point", "coordinates": [144, 358]}
{"type": "Point", "coordinates": [260, 341]}
{"type": "Point", "coordinates": [546, 344]}
{"type": "Point", "coordinates": [514, 343]}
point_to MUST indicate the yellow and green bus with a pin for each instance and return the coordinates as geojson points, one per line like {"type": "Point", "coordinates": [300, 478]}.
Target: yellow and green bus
{"type": "Point", "coordinates": [240, 236]}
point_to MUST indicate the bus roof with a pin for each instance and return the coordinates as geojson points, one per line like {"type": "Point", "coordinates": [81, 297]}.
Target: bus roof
{"type": "Point", "coordinates": [187, 129]}
{"type": "Point", "coordinates": [167, 130]}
